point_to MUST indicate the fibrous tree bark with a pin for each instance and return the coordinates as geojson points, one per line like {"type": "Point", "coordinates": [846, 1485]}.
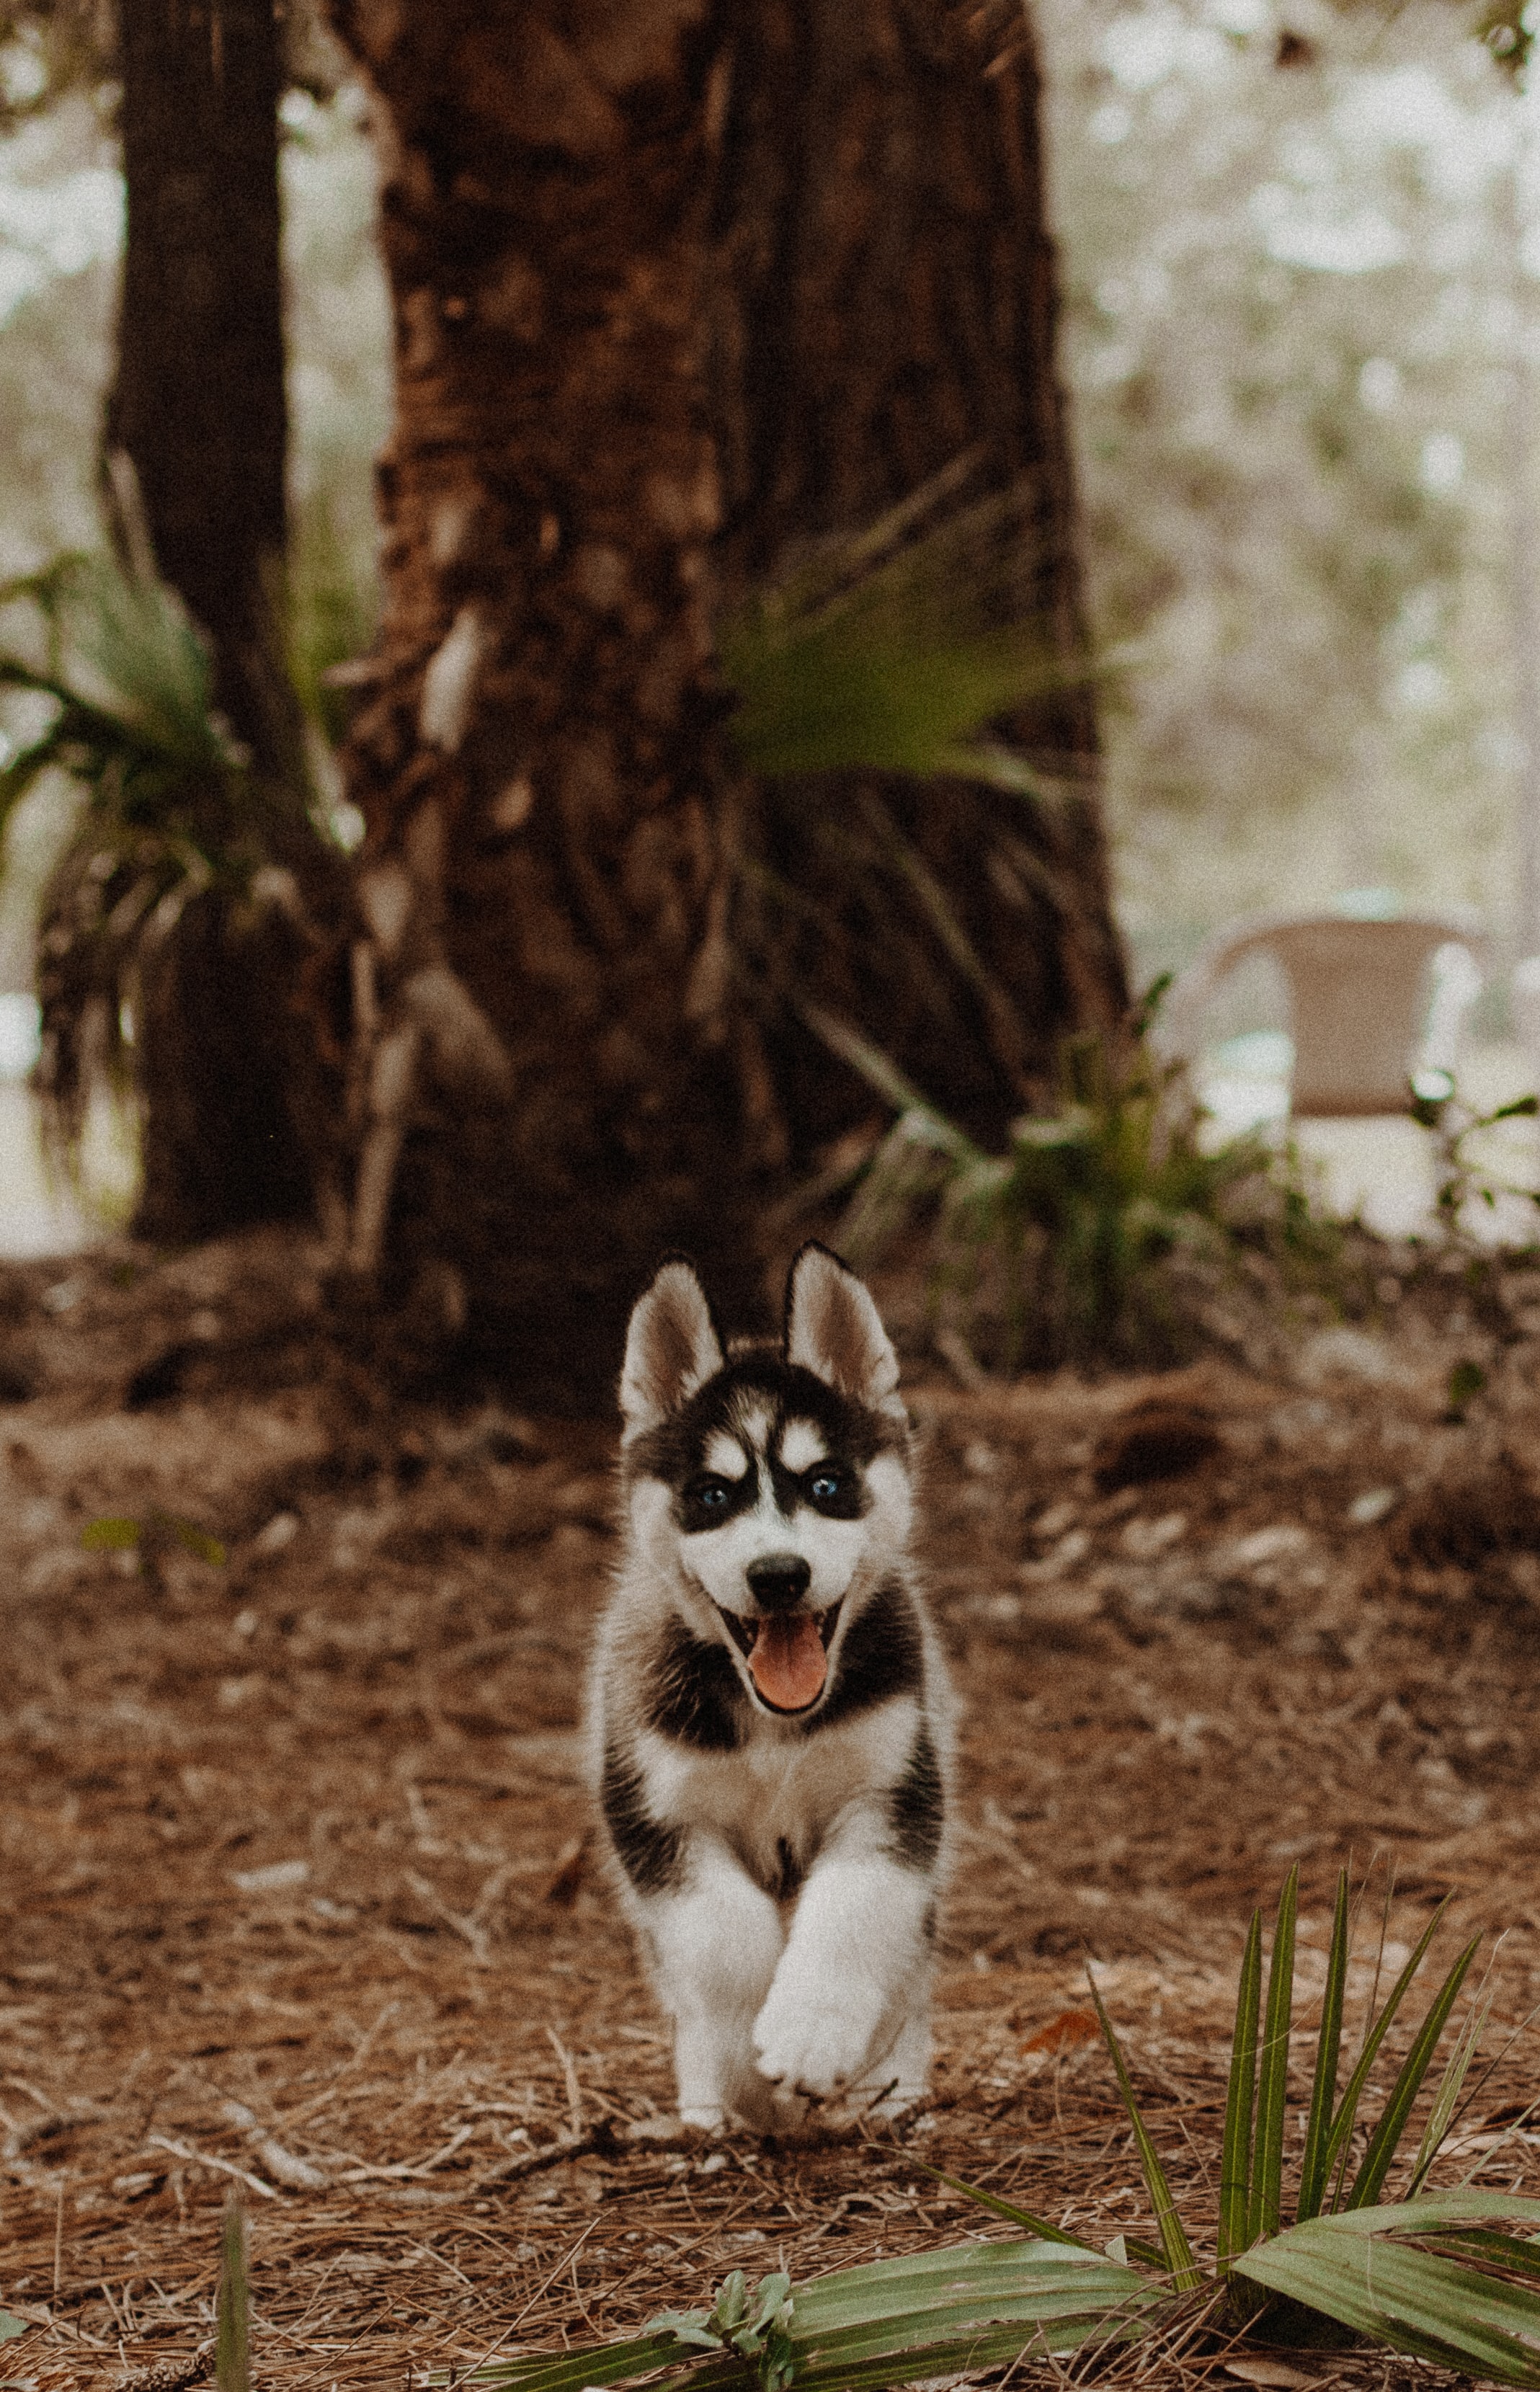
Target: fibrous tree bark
{"type": "Point", "coordinates": [677, 286]}
{"type": "Point", "coordinates": [195, 443]}
{"type": "Point", "coordinates": [883, 310]}
{"type": "Point", "coordinates": [547, 1090]}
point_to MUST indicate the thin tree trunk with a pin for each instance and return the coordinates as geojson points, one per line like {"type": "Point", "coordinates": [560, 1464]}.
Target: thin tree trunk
{"type": "Point", "coordinates": [548, 1093]}
{"type": "Point", "coordinates": [198, 404]}
{"type": "Point", "coordinates": [229, 1081]}
{"type": "Point", "coordinates": [884, 308]}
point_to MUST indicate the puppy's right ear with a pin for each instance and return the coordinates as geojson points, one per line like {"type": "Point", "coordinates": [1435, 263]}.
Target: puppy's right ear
{"type": "Point", "coordinates": [671, 1349]}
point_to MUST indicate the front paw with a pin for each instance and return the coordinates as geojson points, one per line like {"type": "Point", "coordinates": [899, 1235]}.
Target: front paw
{"type": "Point", "coordinates": [811, 2043]}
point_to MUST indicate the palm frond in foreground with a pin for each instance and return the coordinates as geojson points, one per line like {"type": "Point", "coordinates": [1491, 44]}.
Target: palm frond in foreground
{"type": "Point", "coordinates": [1449, 2276]}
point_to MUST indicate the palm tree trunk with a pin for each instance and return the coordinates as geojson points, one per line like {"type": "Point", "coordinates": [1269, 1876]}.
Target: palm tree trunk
{"type": "Point", "coordinates": [198, 402]}
{"type": "Point", "coordinates": [548, 1090]}
{"type": "Point", "coordinates": [231, 1088]}
{"type": "Point", "coordinates": [884, 309]}
{"type": "Point", "coordinates": [676, 286]}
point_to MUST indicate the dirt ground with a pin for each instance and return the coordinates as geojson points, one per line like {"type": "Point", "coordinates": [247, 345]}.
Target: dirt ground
{"type": "Point", "coordinates": [295, 1897]}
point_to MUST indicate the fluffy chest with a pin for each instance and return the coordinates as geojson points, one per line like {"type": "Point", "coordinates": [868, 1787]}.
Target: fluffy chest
{"type": "Point", "coordinates": [776, 1800]}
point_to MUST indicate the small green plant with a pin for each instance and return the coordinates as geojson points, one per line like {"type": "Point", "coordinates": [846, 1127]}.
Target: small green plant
{"type": "Point", "coordinates": [119, 1533]}
{"type": "Point", "coordinates": [189, 873]}
{"type": "Point", "coordinates": [1442, 2275]}
{"type": "Point", "coordinates": [757, 2325]}
{"type": "Point", "coordinates": [1463, 1179]}
{"type": "Point", "coordinates": [1464, 1385]}
{"type": "Point", "coordinates": [1061, 1247]}
{"type": "Point", "coordinates": [120, 687]}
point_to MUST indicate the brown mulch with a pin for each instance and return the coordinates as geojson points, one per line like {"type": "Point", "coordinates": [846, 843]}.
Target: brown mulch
{"type": "Point", "coordinates": [295, 1893]}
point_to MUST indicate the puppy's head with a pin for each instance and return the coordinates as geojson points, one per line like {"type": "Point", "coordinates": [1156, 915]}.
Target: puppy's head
{"type": "Point", "coordinates": [768, 1488]}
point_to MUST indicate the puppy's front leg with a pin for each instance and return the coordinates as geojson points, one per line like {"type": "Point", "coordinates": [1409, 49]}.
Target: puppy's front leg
{"type": "Point", "coordinates": [715, 1944]}
{"type": "Point", "coordinates": [852, 1985]}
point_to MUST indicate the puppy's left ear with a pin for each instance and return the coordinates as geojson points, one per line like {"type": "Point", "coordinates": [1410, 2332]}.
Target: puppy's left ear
{"type": "Point", "coordinates": [671, 1349]}
{"type": "Point", "coordinates": [834, 1328]}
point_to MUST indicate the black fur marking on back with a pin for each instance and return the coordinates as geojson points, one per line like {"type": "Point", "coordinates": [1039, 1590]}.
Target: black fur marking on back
{"type": "Point", "coordinates": [649, 1854]}
{"type": "Point", "coordinates": [915, 1804]}
{"type": "Point", "coordinates": [694, 1695]}
{"type": "Point", "coordinates": [882, 1655]}
{"type": "Point", "coordinates": [673, 1450]}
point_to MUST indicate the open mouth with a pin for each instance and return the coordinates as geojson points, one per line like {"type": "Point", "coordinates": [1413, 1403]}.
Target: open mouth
{"type": "Point", "coordinates": [787, 1654]}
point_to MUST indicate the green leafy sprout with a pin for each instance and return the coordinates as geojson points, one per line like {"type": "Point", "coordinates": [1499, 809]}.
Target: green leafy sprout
{"type": "Point", "coordinates": [757, 2326]}
{"type": "Point", "coordinates": [1447, 2276]}
{"type": "Point", "coordinates": [9, 2328]}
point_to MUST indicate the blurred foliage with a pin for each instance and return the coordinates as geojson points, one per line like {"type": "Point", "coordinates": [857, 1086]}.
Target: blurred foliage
{"type": "Point", "coordinates": [1102, 1231]}
{"type": "Point", "coordinates": [59, 225]}
{"type": "Point", "coordinates": [893, 649]}
{"type": "Point", "coordinates": [122, 688]}
{"type": "Point", "coordinates": [52, 50]}
{"type": "Point", "coordinates": [1465, 1178]}
{"type": "Point", "coordinates": [1298, 282]}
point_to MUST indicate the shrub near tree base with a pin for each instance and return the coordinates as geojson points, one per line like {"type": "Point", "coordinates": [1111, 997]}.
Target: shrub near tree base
{"type": "Point", "coordinates": [1104, 1225]}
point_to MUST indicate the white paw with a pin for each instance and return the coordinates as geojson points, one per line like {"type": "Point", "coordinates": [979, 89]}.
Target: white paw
{"type": "Point", "coordinates": [811, 2045]}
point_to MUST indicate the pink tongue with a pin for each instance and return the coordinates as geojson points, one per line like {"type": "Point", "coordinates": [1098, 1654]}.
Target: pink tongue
{"type": "Point", "coordinates": [788, 1660]}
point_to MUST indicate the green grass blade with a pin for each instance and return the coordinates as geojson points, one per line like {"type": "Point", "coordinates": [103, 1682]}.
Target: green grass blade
{"type": "Point", "coordinates": [1384, 2141]}
{"type": "Point", "coordinates": [1264, 2207]}
{"type": "Point", "coordinates": [890, 1082]}
{"type": "Point", "coordinates": [232, 2365]}
{"type": "Point", "coordinates": [1451, 2086]}
{"type": "Point", "coordinates": [921, 2296]}
{"type": "Point", "coordinates": [1185, 2272]}
{"type": "Point", "coordinates": [1379, 2026]}
{"type": "Point", "coordinates": [1323, 2091]}
{"type": "Point", "coordinates": [1234, 2175]}
{"type": "Point", "coordinates": [1038, 2226]}
{"type": "Point", "coordinates": [1428, 2304]}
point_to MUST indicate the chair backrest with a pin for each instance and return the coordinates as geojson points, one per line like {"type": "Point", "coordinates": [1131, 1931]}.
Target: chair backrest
{"type": "Point", "coordinates": [1359, 1000]}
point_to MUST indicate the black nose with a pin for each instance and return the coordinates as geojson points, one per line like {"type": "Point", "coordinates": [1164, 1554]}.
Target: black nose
{"type": "Point", "coordinates": [777, 1581]}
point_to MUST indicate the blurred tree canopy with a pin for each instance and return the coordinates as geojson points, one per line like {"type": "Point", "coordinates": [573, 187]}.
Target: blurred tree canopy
{"type": "Point", "coordinates": [1301, 289]}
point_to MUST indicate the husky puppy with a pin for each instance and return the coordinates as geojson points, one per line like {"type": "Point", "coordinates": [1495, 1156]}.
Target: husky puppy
{"type": "Point", "coordinates": [769, 1717]}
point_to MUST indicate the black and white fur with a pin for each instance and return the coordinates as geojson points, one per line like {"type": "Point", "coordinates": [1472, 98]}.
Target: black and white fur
{"type": "Point", "coordinates": [781, 1862]}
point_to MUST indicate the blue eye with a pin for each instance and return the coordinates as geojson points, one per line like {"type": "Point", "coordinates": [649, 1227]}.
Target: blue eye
{"type": "Point", "coordinates": [712, 1497]}
{"type": "Point", "coordinates": [825, 1487]}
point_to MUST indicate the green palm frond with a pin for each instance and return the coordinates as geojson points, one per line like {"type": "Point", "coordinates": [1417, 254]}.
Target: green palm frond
{"type": "Point", "coordinates": [1453, 2276]}
{"type": "Point", "coordinates": [894, 648]}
